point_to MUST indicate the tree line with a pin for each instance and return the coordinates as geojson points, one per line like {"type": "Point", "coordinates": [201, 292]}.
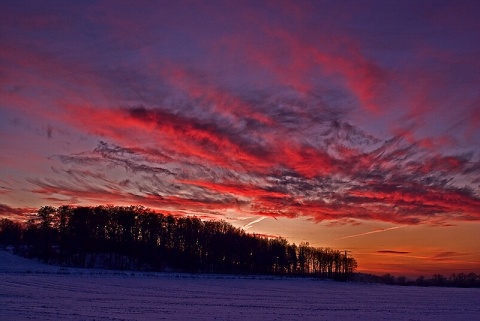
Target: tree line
{"type": "Point", "coordinates": [135, 237]}
{"type": "Point", "coordinates": [463, 280]}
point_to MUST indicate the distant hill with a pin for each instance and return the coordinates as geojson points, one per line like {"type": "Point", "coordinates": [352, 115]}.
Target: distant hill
{"type": "Point", "coordinates": [366, 278]}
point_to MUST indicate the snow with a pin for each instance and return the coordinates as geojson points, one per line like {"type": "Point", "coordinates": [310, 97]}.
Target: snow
{"type": "Point", "coordinates": [30, 290]}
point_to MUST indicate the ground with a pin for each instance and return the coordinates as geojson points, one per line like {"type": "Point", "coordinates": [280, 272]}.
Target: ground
{"type": "Point", "coordinates": [33, 291]}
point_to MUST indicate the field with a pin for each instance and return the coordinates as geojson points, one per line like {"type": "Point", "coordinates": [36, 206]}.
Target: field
{"type": "Point", "coordinates": [33, 291]}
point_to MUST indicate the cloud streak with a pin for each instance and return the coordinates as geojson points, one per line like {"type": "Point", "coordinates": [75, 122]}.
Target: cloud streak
{"type": "Point", "coordinates": [372, 232]}
{"type": "Point", "coordinates": [250, 224]}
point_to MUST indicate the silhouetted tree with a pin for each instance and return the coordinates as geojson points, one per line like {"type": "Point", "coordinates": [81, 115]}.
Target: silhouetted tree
{"type": "Point", "coordinates": [388, 279]}
{"type": "Point", "coordinates": [135, 237]}
{"type": "Point", "coordinates": [10, 232]}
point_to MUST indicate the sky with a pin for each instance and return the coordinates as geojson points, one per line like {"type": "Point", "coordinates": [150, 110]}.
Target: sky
{"type": "Point", "coordinates": [353, 125]}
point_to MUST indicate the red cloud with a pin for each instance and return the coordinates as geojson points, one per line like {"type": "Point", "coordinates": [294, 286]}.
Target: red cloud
{"type": "Point", "coordinates": [206, 143]}
{"type": "Point", "coordinates": [178, 134]}
{"type": "Point", "coordinates": [306, 160]}
{"type": "Point", "coordinates": [451, 204]}
{"type": "Point", "coordinates": [236, 189]}
{"type": "Point", "coordinates": [91, 195]}
{"type": "Point", "coordinates": [16, 213]}
{"type": "Point", "coordinates": [362, 192]}
{"type": "Point", "coordinates": [215, 100]}
{"type": "Point", "coordinates": [294, 62]}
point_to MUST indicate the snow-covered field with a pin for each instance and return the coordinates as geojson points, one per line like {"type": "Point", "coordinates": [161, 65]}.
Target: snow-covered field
{"type": "Point", "coordinates": [33, 291]}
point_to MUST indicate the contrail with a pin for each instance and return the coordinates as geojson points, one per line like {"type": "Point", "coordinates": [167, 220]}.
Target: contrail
{"type": "Point", "coordinates": [371, 232]}
{"type": "Point", "coordinates": [249, 225]}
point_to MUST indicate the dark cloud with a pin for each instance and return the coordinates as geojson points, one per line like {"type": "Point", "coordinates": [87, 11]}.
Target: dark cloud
{"type": "Point", "coordinates": [393, 252]}
{"type": "Point", "coordinates": [49, 131]}
{"type": "Point", "coordinates": [5, 190]}
{"type": "Point", "coordinates": [449, 255]}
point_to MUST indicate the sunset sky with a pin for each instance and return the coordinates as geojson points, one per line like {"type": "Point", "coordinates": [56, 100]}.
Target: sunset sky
{"type": "Point", "coordinates": [353, 125]}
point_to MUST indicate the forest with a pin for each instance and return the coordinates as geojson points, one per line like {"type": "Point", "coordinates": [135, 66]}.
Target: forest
{"type": "Point", "coordinates": [137, 238]}
{"type": "Point", "coordinates": [461, 280]}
